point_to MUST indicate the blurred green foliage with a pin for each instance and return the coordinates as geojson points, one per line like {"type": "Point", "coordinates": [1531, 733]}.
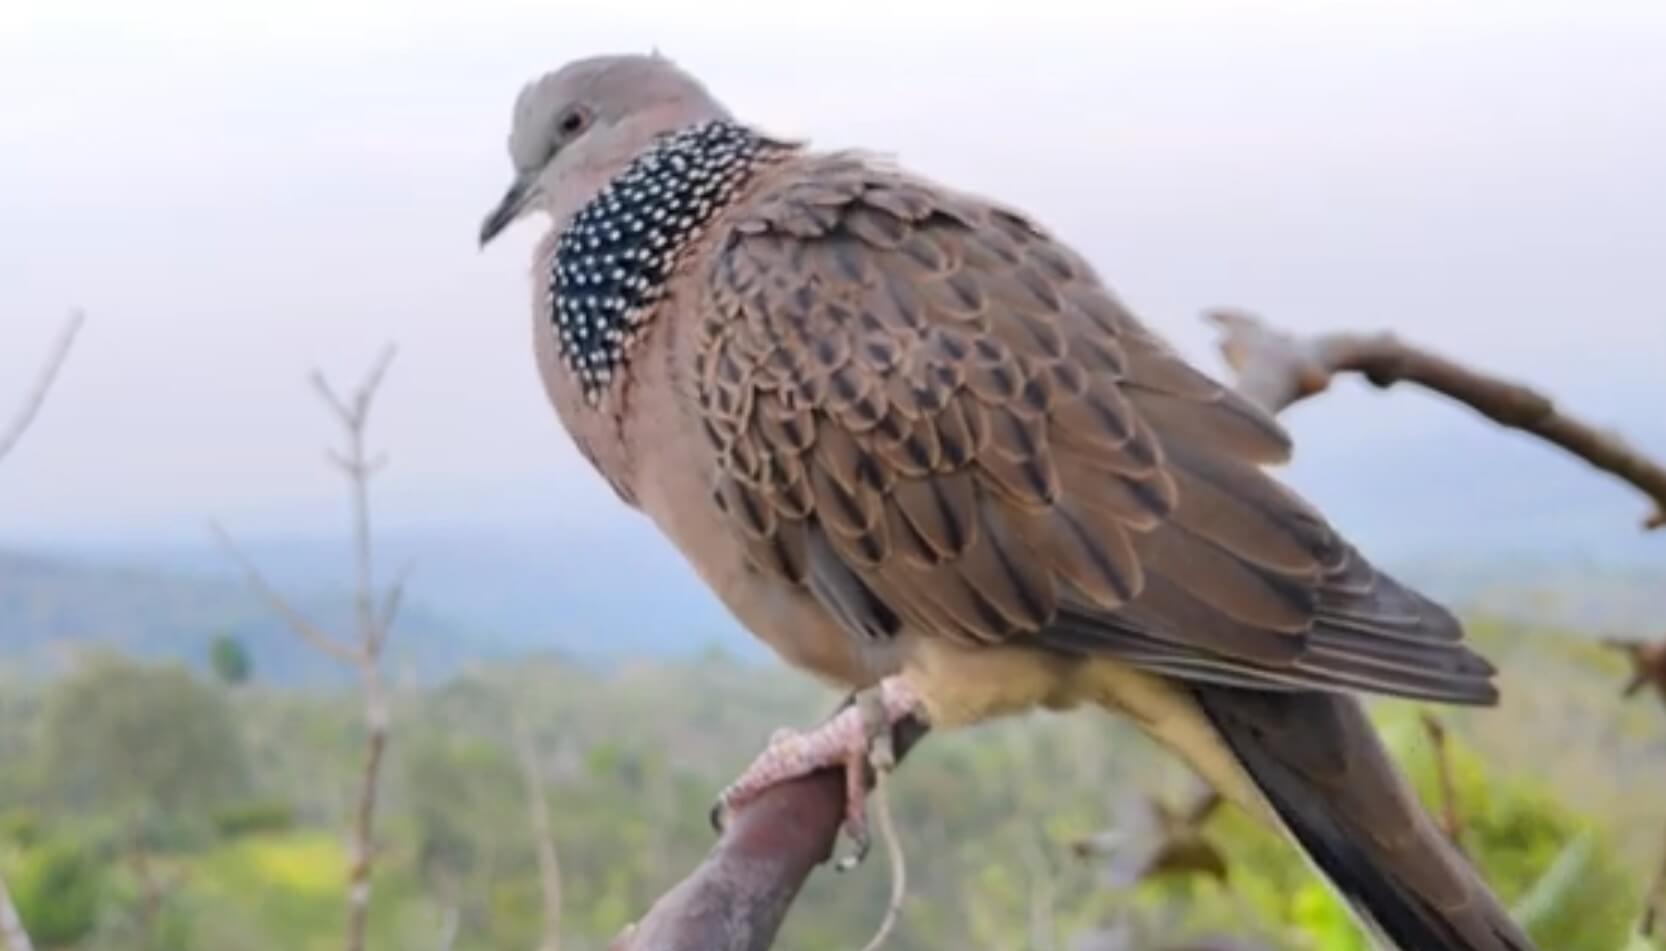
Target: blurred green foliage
{"type": "Point", "coordinates": [58, 888]}
{"type": "Point", "coordinates": [229, 660]}
{"type": "Point", "coordinates": [240, 799]}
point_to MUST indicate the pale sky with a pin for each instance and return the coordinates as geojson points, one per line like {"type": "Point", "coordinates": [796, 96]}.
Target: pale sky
{"type": "Point", "coordinates": [237, 192]}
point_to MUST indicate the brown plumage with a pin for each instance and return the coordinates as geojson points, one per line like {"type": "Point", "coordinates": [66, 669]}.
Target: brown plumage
{"type": "Point", "coordinates": [903, 432]}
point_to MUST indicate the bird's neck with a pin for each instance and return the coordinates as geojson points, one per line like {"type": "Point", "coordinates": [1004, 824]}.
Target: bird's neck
{"type": "Point", "coordinates": [611, 262]}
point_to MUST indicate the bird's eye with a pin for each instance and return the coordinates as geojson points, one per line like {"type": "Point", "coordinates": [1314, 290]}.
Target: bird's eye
{"type": "Point", "coordinates": [572, 122]}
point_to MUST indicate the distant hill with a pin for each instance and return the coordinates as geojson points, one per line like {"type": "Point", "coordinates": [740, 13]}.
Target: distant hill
{"type": "Point", "coordinates": [470, 598]}
{"type": "Point", "coordinates": [49, 607]}
{"type": "Point", "coordinates": [1485, 520]}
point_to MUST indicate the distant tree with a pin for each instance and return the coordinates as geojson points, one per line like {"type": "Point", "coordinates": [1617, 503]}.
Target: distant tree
{"type": "Point", "coordinates": [463, 796]}
{"type": "Point", "coordinates": [230, 660]}
{"type": "Point", "coordinates": [151, 745]}
{"type": "Point", "coordinates": [139, 740]}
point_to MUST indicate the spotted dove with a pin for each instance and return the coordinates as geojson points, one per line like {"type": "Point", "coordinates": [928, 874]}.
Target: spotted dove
{"type": "Point", "coordinates": [914, 443]}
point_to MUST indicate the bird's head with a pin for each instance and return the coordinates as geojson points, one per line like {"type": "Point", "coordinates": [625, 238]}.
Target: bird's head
{"type": "Point", "coordinates": [575, 128]}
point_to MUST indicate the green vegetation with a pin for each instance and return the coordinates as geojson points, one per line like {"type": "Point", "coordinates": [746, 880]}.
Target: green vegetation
{"type": "Point", "coordinates": [229, 660]}
{"type": "Point", "coordinates": [146, 807]}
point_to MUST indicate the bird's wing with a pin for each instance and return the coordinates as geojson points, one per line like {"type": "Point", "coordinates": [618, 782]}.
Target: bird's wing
{"type": "Point", "coordinates": [931, 413]}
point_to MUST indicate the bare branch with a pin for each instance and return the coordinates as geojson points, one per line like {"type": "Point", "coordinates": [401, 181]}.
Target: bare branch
{"type": "Point", "coordinates": [1654, 903]}
{"type": "Point", "coordinates": [307, 631]}
{"type": "Point", "coordinates": [374, 619]}
{"type": "Point", "coordinates": [1152, 839]}
{"type": "Point", "coordinates": [1451, 819]}
{"type": "Point", "coordinates": [392, 600]}
{"type": "Point", "coordinates": [1648, 666]}
{"type": "Point", "coordinates": [328, 395]}
{"type": "Point", "coordinates": [1277, 369]}
{"type": "Point", "coordinates": [372, 382]}
{"type": "Point", "coordinates": [737, 898]}
{"type": "Point", "coordinates": [364, 814]}
{"type": "Point", "coordinates": [543, 838]}
{"type": "Point", "coordinates": [36, 396]}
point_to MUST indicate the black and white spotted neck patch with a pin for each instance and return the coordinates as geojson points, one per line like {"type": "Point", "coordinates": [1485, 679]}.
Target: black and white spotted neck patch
{"type": "Point", "coordinates": [612, 261]}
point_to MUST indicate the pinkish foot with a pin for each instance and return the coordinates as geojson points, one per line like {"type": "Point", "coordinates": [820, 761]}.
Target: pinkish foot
{"type": "Point", "coordinates": [856, 737]}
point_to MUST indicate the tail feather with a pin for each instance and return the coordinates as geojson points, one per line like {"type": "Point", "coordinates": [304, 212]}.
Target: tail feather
{"type": "Point", "coordinates": [1319, 764]}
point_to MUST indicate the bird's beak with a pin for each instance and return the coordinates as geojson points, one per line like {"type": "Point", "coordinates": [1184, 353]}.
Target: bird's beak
{"type": "Point", "coordinates": [514, 202]}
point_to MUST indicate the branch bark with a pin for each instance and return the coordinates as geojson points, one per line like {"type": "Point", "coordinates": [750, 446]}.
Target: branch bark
{"type": "Point", "coordinates": [36, 395]}
{"type": "Point", "coordinates": [373, 620]}
{"type": "Point", "coordinates": [738, 896]}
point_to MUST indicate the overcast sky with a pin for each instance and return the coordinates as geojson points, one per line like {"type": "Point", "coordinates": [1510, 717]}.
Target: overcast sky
{"type": "Point", "coordinates": [238, 192]}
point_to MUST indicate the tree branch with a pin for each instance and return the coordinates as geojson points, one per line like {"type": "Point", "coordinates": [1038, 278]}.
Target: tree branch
{"type": "Point", "coordinates": [1648, 666]}
{"type": "Point", "coordinates": [543, 838]}
{"type": "Point", "coordinates": [1654, 903]}
{"type": "Point", "coordinates": [1277, 369]}
{"type": "Point", "coordinates": [297, 622]}
{"type": "Point", "coordinates": [392, 599]}
{"type": "Point", "coordinates": [36, 396]}
{"type": "Point", "coordinates": [1451, 818]}
{"type": "Point", "coordinates": [374, 620]}
{"type": "Point", "coordinates": [737, 898]}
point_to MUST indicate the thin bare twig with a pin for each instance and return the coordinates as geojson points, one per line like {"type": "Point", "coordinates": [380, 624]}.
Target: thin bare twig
{"type": "Point", "coordinates": [1152, 839]}
{"type": "Point", "coordinates": [1451, 819]}
{"type": "Point", "coordinates": [1277, 369]}
{"type": "Point", "coordinates": [312, 634]}
{"type": "Point", "coordinates": [1654, 903]}
{"type": "Point", "coordinates": [373, 615]}
{"type": "Point", "coordinates": [543, 837]}
{"type": "Point", "coordinates": [1648, 666]}
{"type": "Point", "coordinates": [36, 395]}
{"type": "Point", "coordinates": [392, 600]}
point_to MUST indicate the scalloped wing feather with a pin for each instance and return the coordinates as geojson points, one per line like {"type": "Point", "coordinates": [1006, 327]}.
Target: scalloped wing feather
{"type": "Point", "coordinates": [931, 414]}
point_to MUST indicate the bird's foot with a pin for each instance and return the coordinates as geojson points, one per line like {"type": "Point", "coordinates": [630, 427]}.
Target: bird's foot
{"type": "Point", "coordinates": [857, 737]}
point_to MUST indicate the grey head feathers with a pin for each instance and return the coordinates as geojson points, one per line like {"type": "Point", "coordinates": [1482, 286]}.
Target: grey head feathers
{"type": "Point", "coordinates": [574, 128]}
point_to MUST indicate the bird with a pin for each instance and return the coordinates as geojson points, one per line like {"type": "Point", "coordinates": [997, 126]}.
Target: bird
{"type": "Point", "coordinates": [915, 444]}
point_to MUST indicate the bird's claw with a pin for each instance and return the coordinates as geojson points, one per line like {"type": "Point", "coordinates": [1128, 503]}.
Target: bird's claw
{"type": "Point", "coordinates": [876, 756]}
{"type": "Point", "coordinates": [858, 738]}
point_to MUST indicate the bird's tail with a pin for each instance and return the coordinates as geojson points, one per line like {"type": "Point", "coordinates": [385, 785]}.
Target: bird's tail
{"type": "Point", "coordinates": [1320, 765]}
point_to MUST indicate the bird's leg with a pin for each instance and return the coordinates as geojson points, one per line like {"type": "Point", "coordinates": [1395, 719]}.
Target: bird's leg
{"type": "Point", "coordinates": [857, 737]}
